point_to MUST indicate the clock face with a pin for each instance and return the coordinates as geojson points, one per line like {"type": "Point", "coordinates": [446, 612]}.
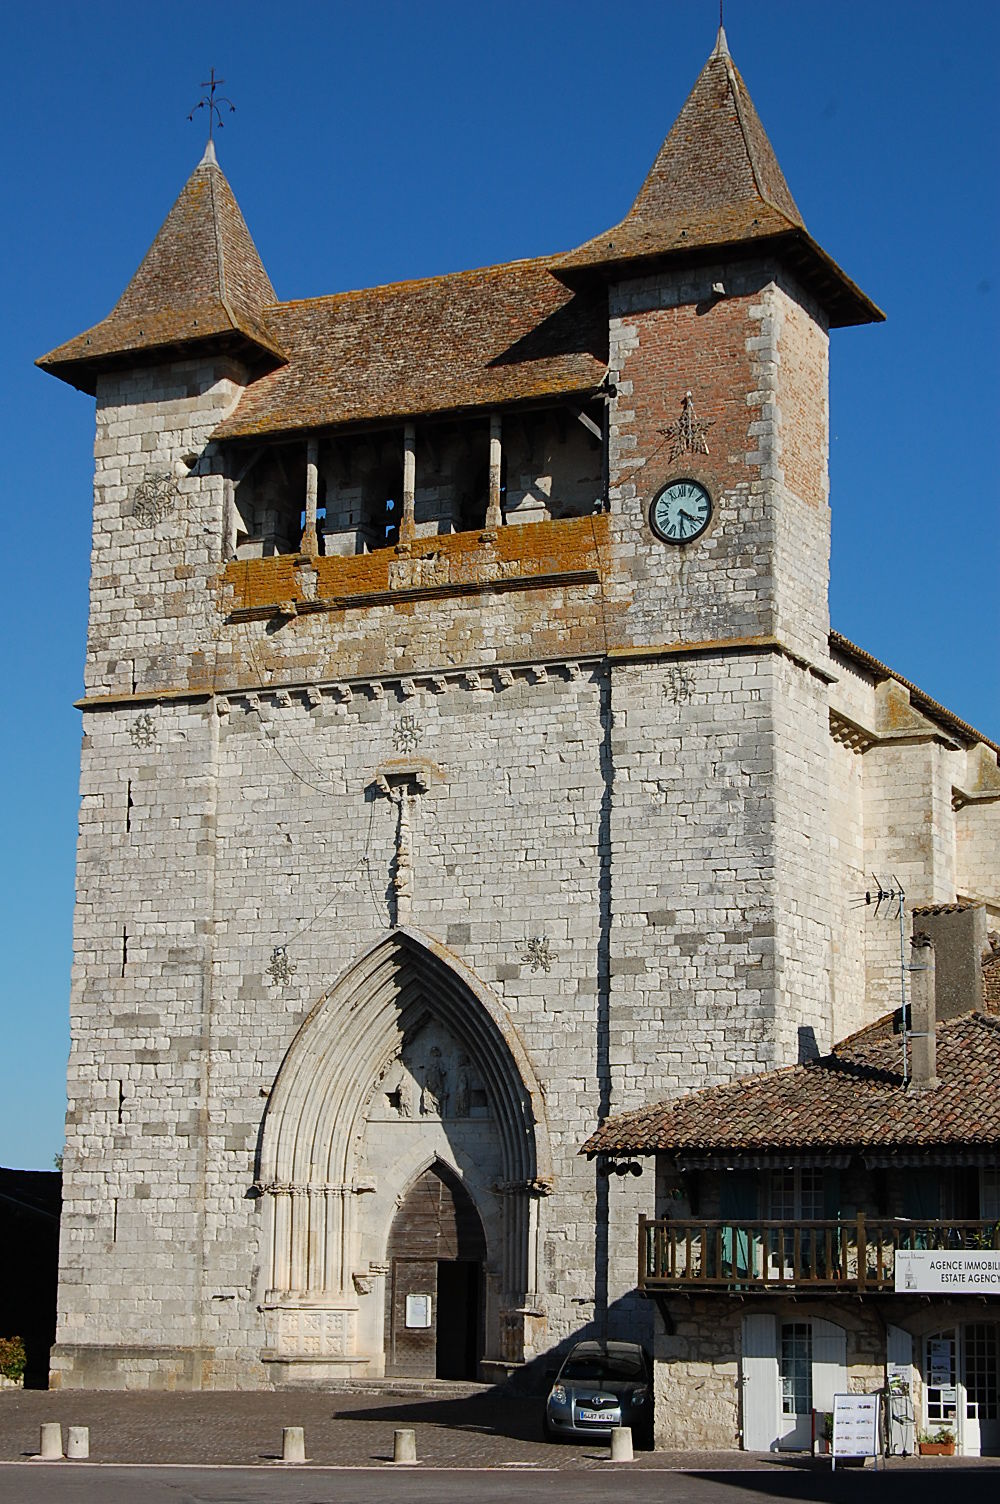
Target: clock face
{"type": "Point", "coordinates": [680, 512]}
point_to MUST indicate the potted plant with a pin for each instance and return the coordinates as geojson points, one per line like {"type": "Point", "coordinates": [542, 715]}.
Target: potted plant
{"type": "Point", "coordinates": [939, 1443]}
{"type": "Point", "coordinates": [13, 1359]}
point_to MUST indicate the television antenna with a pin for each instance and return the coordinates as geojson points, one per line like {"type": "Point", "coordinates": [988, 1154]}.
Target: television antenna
{"type": "Point", "coordinates": [887, 899]}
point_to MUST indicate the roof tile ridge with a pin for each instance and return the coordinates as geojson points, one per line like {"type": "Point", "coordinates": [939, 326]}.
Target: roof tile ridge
{"type": "Point", "coordinates": [547, 261]}
{"type": "Point", "coordinates": [868, 660]}
{"type": "Point", "coordinates": [220, 259]}
{"type": "Point", "coordinates": [732, 78]}
{"type": "Point", "coordinates": [865, 1030]}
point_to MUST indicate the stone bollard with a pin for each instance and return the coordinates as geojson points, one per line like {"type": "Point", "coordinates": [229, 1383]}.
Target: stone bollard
{"type": "Point", "coordinates": [78, 1443]}
{"type": "Point", "coordinates": [293, 1444]}
{"type": "Point", "coordinates": [404, 1446]}
{"type": "Point", "coordinates": [621, 1444]}
{"type": "Point", "coordinates": [50, 1448]}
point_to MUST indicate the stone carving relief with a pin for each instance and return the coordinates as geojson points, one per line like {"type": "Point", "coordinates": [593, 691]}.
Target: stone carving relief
{"type": "Point", "coordinates": [153, 498]}
{"type": "Point", "coordinates": [407, 734]}
{"type": "Point", "coordinates": [537, 953]}
{"type": "Point", "coordinates": [679, 684]}
{"type": "Point", "coordinates": [430, 1077]}
{"type": "Point", "coordinates": [279, 968]}
{"type": "Point", "coordinates": [143, 730]}
{"type": "Point", "coordinates": [311, 1334]}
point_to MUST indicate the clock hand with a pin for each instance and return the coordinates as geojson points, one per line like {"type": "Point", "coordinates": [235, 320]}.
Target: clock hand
{"type": "Point", "coordinates": [686, 515]}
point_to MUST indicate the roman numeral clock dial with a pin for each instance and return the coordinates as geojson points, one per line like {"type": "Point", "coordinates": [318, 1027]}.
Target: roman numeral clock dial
{"type": "Point", "coordinates": [680, 512]}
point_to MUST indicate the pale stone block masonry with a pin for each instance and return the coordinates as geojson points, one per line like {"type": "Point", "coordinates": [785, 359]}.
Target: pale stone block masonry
{"type": "Point", "coordinates": [413, 862]}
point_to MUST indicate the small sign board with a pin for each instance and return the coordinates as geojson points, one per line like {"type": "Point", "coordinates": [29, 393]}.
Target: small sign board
{"type": "Point", "coordinates": [954, 1271]}
{"type": "Point", "coordinates": [855, 1426]}
{"type": "Point", "coordinates": [418, 1311]}
{"type": "Point", "coordinates": [939, 1361]}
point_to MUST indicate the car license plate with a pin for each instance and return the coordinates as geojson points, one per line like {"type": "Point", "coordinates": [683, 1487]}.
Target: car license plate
{"type": "Point", "coordinates": [604, 1415]}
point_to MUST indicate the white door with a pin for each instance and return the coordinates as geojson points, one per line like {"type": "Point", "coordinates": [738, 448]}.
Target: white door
{"type": "Point", "coordinates": [829, 1363]}
{"type": "Point", "coordinates": [979, 1425]}
{"type": "Point", "coordinates": [759, 1381]}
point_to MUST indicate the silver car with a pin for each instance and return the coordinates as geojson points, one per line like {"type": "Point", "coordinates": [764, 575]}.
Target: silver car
{"type": "Point", "coordinates": [599, 1386]}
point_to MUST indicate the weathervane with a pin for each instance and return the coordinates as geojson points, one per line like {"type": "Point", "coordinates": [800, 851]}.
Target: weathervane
{"type": "Point", "coordinates": [211, 104]}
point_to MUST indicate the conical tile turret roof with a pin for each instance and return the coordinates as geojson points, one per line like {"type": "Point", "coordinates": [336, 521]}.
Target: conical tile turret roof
{"type": "Point", "coordinates": [201, 280]}
{"type": "Point", "coordinates": [716, 184]}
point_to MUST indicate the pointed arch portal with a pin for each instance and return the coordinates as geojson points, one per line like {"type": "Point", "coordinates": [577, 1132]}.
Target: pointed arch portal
{"type": "Point", "coordinates": [408, 1067]}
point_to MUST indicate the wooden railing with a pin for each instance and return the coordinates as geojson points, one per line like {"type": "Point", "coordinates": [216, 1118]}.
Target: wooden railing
{"type": "Point", "coordinates": [855, 1254]}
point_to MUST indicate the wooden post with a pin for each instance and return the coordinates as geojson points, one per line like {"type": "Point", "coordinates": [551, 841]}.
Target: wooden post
{"type": "Point", "coordinates": [310, 538]}
{"type": "Point", "coordinates": [494, 516]}
{"type": "Point", "coordinates": [407, 523]}
{"type": "Point", "coordinates": [643, 1254]}
{"type": "Point", "coordinates": [862, 1251]}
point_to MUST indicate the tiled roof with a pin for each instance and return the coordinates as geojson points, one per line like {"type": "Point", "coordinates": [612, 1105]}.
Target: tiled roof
{"type": "Point", "coordinates": [920, 700]}
{"type": "Point", "coordinates": [852, 1098]}
{"type": "Point", "coordinates": [200, 279]}
{"type": "Point", "coordinates": [509, 333]}
{"type": "Point", "coordinates": [716, 183]}
{"type": "Point", "coordinates": [515, 333]}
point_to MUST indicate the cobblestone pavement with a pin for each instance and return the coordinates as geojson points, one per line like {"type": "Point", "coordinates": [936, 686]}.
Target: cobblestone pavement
{"type": "Point", "coordinates": [342, 1429]}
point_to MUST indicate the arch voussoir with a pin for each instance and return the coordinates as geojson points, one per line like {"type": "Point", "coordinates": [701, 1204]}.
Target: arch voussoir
{"type": "Point", "coordinates": [326, 1207]}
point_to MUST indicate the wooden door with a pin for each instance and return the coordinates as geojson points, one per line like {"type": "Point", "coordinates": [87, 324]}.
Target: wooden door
{"type": "Point", "coordinates": [436, 1227]}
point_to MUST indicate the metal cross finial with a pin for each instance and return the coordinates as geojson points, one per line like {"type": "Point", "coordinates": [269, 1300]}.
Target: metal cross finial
{"type": "Point", "coordinates": [211, 104]}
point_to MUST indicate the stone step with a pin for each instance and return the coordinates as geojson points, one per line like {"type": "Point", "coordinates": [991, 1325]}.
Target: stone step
{"type": "Point", "coordinates": [442, 1388]}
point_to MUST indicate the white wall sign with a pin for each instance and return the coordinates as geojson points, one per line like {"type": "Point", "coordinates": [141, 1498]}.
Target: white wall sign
{"type": "Point", "coordinates": [940, 1355]}
{"type": "Point", "coordinates": [928, 1271]}
{"type": "Point", "coordinates": [418, 1311]}
{"type": "Point", "coordinates": [855, 1425]}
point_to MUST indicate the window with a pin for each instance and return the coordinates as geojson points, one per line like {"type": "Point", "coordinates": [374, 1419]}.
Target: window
{"type": "Point", "coordinates": [939, 1373]}
{"type": "Point", "coordinates": [981, 1374]}
{"type": "Point", "coordinates": [796, 1196]}
{"type": "Point", "coordinates": [795, 1368]}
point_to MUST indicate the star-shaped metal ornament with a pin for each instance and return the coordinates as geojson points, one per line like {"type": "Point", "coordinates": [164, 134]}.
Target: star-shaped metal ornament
{"type": "Point", "coordinates": [687, 435]}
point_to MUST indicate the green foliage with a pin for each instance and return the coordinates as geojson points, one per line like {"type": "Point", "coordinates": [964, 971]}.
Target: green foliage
{"type": "Point", "coordinates": [12, 1357]}
{"type": "Point", "coordinates": [928, 1437]}
{"type": "Point", "coordinates": [987, 1237]}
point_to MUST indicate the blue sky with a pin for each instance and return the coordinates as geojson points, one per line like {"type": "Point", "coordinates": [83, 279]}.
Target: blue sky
{"type": "Point", "coordinates": [378, 143]}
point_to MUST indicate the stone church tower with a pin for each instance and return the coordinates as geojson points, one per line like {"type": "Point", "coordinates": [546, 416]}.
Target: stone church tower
{"type": "Point", "coordinates": [457, 769]}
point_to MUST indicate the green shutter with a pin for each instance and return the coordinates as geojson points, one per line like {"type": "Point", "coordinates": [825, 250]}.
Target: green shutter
{"type": "Point", "coordinates": [921, 1195]}
{"type": "Point", "coordinates": [739, 1202]}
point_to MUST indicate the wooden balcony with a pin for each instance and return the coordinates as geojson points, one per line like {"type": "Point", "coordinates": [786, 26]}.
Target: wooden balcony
{"type": "Point", "coordinates": [851, 1256]}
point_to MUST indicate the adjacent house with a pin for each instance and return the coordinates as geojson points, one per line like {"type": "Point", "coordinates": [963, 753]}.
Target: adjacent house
{"type": "Point", "coordinates": [790, 1206]}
